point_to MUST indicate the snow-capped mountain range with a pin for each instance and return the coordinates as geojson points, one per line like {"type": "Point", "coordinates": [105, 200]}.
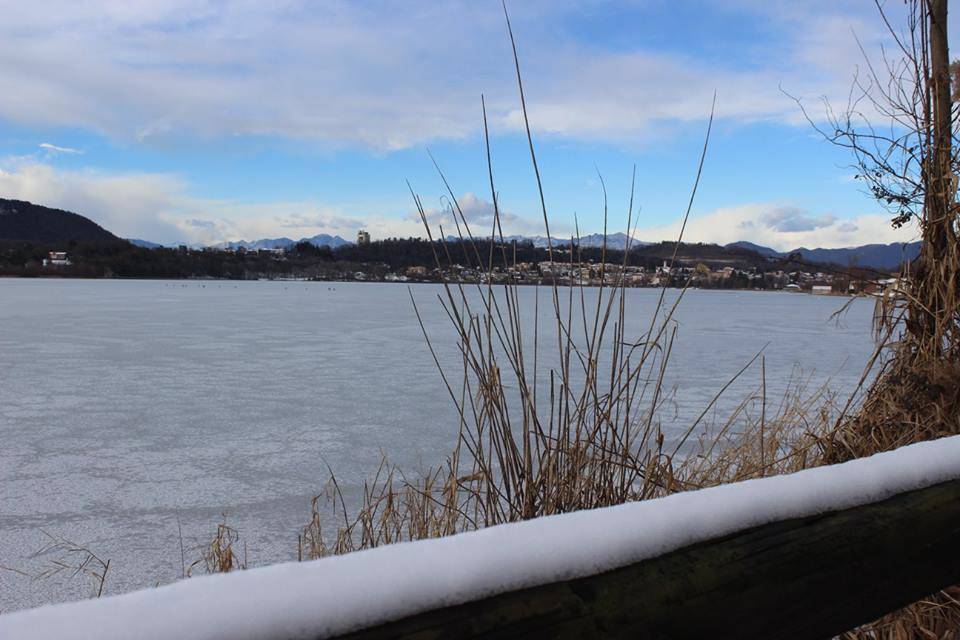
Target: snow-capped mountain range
{"type": "Point", "coordinates": [320, 240]}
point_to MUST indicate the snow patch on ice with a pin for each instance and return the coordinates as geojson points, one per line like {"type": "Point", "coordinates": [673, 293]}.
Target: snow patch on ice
{"type": "Point", "coordinates": [340, 594]}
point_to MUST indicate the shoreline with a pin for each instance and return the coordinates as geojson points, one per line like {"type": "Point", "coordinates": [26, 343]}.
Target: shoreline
{"type": "Point", "coordinates": [586, 285]}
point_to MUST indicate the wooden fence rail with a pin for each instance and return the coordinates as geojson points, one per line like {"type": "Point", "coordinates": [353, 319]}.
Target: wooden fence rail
{"type": "Point", "coordinates": [811, 577]}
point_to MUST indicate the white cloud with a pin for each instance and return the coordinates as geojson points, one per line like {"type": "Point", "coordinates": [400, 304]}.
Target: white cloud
{"type": "Point", "coordinates": [389, 75]}
{"type": "Point", "coordinates": [781, 227]}
{"type": "Point", "coordinates": [159, 207]}
{"type": "Point", "coordinates": [793, 220]}
{"type": "Point", "coordinates": [46, 146]}
{"type": "Point", "coordinates": [126, 204]}
{"type": "Point", "coordinates": [479, 215]}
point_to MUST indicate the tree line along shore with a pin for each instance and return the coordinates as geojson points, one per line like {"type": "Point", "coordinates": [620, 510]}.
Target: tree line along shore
{"type": "Point", "coordinates": [699, 265]}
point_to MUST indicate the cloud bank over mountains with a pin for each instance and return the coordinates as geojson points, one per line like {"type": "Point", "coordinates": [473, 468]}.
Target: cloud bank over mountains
{"type": "Point", "coordinates": [158, 207]}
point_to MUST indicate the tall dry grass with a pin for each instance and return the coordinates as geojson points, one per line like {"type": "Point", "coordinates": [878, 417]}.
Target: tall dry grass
{"type": "Point", "coordinates": [580, 429]}
{"type": "Point", "coordinates": [564, 418]}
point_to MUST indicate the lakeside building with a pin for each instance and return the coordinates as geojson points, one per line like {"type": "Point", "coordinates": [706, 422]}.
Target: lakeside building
{"type": "Point", "coordinates": [56, 259]}
{"type": "Point", "coordinates": [416, 272]}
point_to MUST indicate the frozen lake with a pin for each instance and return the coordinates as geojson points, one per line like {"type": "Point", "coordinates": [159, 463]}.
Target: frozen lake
{"type": "Point", "coordinates": [127, 405]}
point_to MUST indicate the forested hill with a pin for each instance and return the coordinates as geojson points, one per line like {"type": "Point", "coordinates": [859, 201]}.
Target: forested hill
{"type": "Point", "coordinates": [886, 257]}
{"type": "Point", "coordinates": [27, 222]}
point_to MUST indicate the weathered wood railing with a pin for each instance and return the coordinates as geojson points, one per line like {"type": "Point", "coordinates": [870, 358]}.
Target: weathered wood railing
{"type": "Point", "coordinates": [804, 555]}
{"type": "Point", "coordinates": [810, 577]}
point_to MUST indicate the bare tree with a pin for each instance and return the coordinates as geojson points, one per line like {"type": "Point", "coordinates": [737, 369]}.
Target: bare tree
{"type": "Point", "coordinates": [900, 123]}
{"type": "Point", "coordinates": [934, 321]}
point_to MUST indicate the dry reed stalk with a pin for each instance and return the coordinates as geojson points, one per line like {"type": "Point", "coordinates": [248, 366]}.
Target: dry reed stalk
{"type": "Point", "coordinates": [218, 555]}
{"type": "Point", "coordinates": [73, 558]}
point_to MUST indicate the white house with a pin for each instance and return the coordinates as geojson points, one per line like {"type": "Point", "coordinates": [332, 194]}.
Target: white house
{"type": "Point", "coordinates": [56, 259]}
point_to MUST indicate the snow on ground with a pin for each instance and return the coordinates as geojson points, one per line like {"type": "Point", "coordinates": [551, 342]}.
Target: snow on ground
{"type": "Point", "coordinates": [335, 595]}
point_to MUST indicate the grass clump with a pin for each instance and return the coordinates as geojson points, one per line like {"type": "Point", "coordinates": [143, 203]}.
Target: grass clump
{"type": "Point", "coordinates": [219, 555]}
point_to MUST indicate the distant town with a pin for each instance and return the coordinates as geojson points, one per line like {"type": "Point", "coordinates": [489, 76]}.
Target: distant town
{"type": "Point", "coordinates": [270, 264]}
{"type": "Point", "coordinates": [36, 241]}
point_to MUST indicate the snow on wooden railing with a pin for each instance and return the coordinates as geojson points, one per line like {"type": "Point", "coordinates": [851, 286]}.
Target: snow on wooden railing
{"type": "Point", "coordinates": [800, 555]}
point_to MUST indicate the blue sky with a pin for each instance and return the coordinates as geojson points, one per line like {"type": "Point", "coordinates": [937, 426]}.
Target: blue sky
{"type": "Point", "coordinates": [203, 121]}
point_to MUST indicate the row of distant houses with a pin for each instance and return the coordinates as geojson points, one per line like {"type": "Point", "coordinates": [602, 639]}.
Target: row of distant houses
{"type": "Point", "coordinates": [700, 275]}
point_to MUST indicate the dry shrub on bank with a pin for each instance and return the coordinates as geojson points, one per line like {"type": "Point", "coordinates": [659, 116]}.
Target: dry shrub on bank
{"type": "Point", "coordinates": [916, 395]}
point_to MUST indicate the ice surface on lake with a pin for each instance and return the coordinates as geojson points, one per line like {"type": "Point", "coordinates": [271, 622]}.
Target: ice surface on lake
{"type": "Point", "coordinates": [125, 405]}
{"type": "Point", "coordinates": [336, 595]}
